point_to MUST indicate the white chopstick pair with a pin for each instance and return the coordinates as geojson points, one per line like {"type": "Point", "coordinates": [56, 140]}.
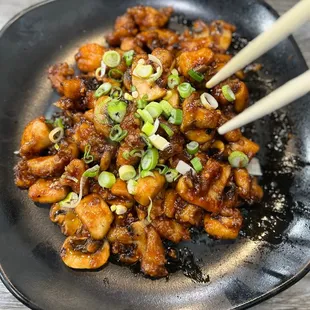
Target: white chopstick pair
{"type": "Point", "coordinates": [284, 95]}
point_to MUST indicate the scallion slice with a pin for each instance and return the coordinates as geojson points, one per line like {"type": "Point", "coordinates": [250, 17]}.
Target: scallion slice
{"type": "Point", "coordinates": [128, 56]}
{"type": "Point", "coordinates": [228, 93]}
{"type": "Point", "coordinates": [171, 175]}
{"type": "Point", "coordinates": [192, 147]}
{"type": "Point", "coordinates": [131, 186]}
{"type": "Point", "coordinates": [116, 75]}
{"type": "Point", "coordinates": [127, 172]}
{"type": "Point", "coordinates": [173, 81]}
{"type": "Point", "coordinates": [88, 158]}
{"type": "Point", "coordinates": [146, 173]}
{"type": "Point", "coordinates": [70, 201]}
{"type": "Point", "coordinates": [117, 133]}
{"type": "Point", "coordinates": [167, 129]}
{"type": "Point", "coordinates": [141, 103]}
{"type": "Point", "coordinates": [154, 108]}
{"type": "Point", "coordinates": [146, 116]}
{"type": "Point", "coordinates": [128, 97]}
{"type": "Point", "coordinates": [197, 76]}
{"type": "Point", "coordinates": [159, 70]}
{"type": "Point", "coordinates": [176, 117]}
{"type": "Point", "coordinates": [162, 169]}
{"type": "Point", "coordinates": [208, 101]}
{"type": "Point", "coordinates": [136, 153]}
{"type": "Point", "coordinates": [91, 172]}
{"type": "Point", "coordinates": [238, 159]}
{"type": "Point", "coordinates": [106, 179]}
{"type": "Point", "coordinates": [111, 58]}
{"type": "Point", "coordinates": [149, 209]}
{"type": "Point", "coordinates": [116, 92]}
{"type": "Point", "coordinates": [117, 110]}
{"type": "Point", "coordinates": [185, 90]}
{"type": "Point", "coordinates": [143, 71]}
{"type": "Point", "coordinates": [196, 163]}
{"type": "Point", "coordinates": [58, 123]}
{"type": "Point", "coordinates": [159, 142]}
{"type": "Point", "coordinates": [166, 107]}
{"type": "Point", "coordinates": [126, 155]}
{"type": "Point", "coordinates": [183, 168]}
{"type": "Point", "coordinates": [150, 159]}
{"type": "Point", "coordinates": [56, 134]}
{"type": "Point", "coordinates": [103, 90]}
{"type": "Point", "coordinates": [148, 129]}
{"type": "Point", "coordinates": [146, 140]}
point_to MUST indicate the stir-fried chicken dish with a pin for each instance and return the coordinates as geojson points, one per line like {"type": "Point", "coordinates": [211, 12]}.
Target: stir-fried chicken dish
{"type": "Point", "coordinates": [133, 158]}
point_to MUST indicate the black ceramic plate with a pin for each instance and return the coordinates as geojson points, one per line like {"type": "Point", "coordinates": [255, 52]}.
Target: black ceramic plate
{"type": "Point", "coordinates": [274, 249]}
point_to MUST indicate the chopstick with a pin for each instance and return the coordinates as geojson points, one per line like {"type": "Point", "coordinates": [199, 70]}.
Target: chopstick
{"type": "Point", "coordinates": [279, 98]}
{"type": "Point", "coordinates": [282, 28]}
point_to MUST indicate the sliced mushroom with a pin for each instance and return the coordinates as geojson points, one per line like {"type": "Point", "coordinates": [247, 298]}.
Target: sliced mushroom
{"type": "Point", "coordinates": [84, 253]}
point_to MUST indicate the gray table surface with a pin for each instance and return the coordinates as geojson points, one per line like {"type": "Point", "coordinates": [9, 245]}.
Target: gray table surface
{"type": "Point", "coordinates": [296, 297]}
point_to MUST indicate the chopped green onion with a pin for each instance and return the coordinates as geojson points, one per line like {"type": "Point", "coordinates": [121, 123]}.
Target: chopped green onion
{"type": "Point", "coordinates": [146, 173]}
{"type": "Point", "coordinates": [128, 97]}
{"type": "Point", "coordinates": [185, 90]}
{"type": "Point", "coordinates": [208, 101]}
{"type": "Point", "coordinates": [176, 117]}
{"type": "Point", "coordinates": [126, 155]}
{"type": "Point", "coordinates": [116, 75]}
{"type": "Point", "coordinates": [133, 88]}
{"type": "Point", "coordinates": [111, 58]}
{"type": "Point", "coordinates": [159, 142]}
{"type": "Point", "coordinates": [117, 110]}
{"type": "Point", "coordinates": [56, 146]}
{"type": "Point", "coordinates": [117, 133]}
{"type": "Point", "coordinates": [106, 179]}
{"type": "Point", "coordinates": [184, 168]}
{"type": "Point", "coordinates": [167, 129]}
{"type": "Point", "coordinates": [146, 140]}
{"type": "Point", "coordinates": [228, 93]}
{"type": "Point", "coordinates": [166, 107]}
{"type": "Point", "coordinates": [88, 158]}
{"type": "Point", "coordinates": [197, 76]}
{"type": "Point", "coordinates": [141, 103]}
{"type": "Point", "coordinates": [127, 172]}
{"type": "Point", "coordinates": [56, 134]}
{"type": "Point", "coordinates": [103, 89]}
{"type": "Point", "coordinates": [192, 147]}
{"type": "Point", "coordinates": [173, 81]}
{"type": "Point", "coordinates": [70, 201]}
{"type": "Point", "coordinates": [58, 123]}
{"type": "Point", "coordinates": [136, 153]}
{"type": "Point", "coordinates": [116, 93]}
{"type": "Point", "coordinates": [131, 186]}
{"type": "Point", "coordinates": [91, 172]}
{"type": "Point", "coordinates": [154, 108]}
{"type": "Point", "coordinates": [143, 71]}
{"type": "Point", "coordinates": [162, 169]}
{"type": "Point", "coordinates": [150, 159]}
{"type": "Point", "coordinates": [145, 115]}
{"type": "Point", "coordinates": [238, 159]}
{"type": "Point", "coordinates": [196, 163]}
{"type": "Point", "coordinates": [148, 129]}
{"type": "Point", "coordinates": [174, 72]}
{"type": "Point", "coordinates": [149, 209]}
{"type": "Point", "coordinates": [159, 70]}
{"type": "Point", "coordinates": [128, 56]}
{"type": "Point", "coordinates": [171, 175]}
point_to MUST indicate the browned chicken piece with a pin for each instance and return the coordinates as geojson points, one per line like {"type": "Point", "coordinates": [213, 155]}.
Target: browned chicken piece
{"type": "Point", "coordinates": [195, 115]}
{"type": "Point", "coordinates": [73, 89]}
{"type": "Point", "coordinates": [48, 191]}
{"type": "Point", "coordinates": [53, 165]}
{"type": "Point", "coordinates": [84, 253]}
{"type": "Point", "coordinates": [35, 137]}
{"type": "Point", "coordinates": [173, 98]}
{"type": "Point", "coordinates": [147, 17]}
{"type": "Point", "coordinates": [122, 153]}
{"type": "Point", "coordinates": [171, 230]}
{"type": "Point", "coordinates": [205, 189]}
{"type": "Point", "coordinates": [244, 145]}
{"type": "Point", "coordinates": [151, 91]}
{"type": "Point", "coordinates": [219, 61]}
{"type": "Point", "coordinates": [221, 33]}
{"type": "Point", "coordinates": [256, 193]}
{"type": "Point", "coordinates": [95, 215]}
{"type": "Point", "coordinates": [243, 181]}
{"type": "Point", "coordinates": [120, 234]}
{"type": "Point", "coordinates": [124, 27]}
{"type": "Point", "coordinates": [59, 73]}
{"type": "Point", "coordinates": [107, 157]}
{"type": "Point", "coordinates": [158, 38]}
{"type": "Point", "coordinates": [101, 120]}
{"type": "Point", "coordinates": [170, 203]}
{"type": "Point", "coordinates": [120, 189]}
{"type": "Point", "coordinates": [157, 209]}
{"type": "Point", "coordinates": [224, 226]}
{"type": "Point", "coordinates": [197, 60]}
{"type": "Point", "coordinates": [131, 43]}
{"type": "Point", "coordinates": [239, 89]}
{"type": "Point", "coordinates": [23, 177]}
{"type": "Point", "coordinates": [89, 57]}
{"type": "Point", "coordinates": [153, 259]}
{"type": "Point", "coordinates": [67, 219]}
{"type": "Point", "coordinates": [191, 214]}
{"type": "Point", "coordinates": [73, 175]}
{"type": "Point", "coordinates": [147, 188]}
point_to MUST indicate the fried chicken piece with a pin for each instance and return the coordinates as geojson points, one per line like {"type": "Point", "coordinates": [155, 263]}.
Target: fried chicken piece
{"type": "Point", "coordinates": [89, 57]}
{"type": "Point", "coordinates": [57, 74]}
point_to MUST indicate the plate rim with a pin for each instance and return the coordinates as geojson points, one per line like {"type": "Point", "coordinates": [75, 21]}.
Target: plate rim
{"type": "Point", "coordinates": [271, 293]}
